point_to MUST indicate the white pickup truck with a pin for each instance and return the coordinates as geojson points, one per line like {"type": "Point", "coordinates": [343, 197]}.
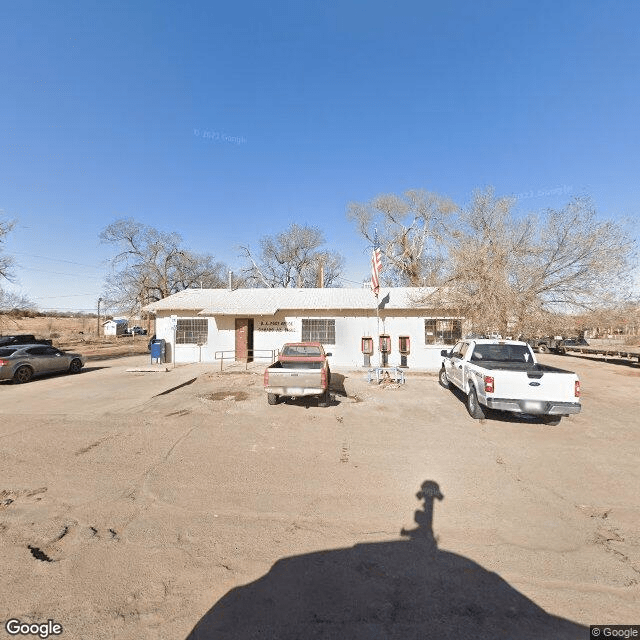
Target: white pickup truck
{"type": "Point", "coordinates": [504, 375]}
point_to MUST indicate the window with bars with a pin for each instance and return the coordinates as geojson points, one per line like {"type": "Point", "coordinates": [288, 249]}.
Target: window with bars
{"type": "Point", "coordinates": [192, 331]}
{"type": "Point", "coordinates": [323, 331]}
{"type": "Point", "coordinates": [442, 330]}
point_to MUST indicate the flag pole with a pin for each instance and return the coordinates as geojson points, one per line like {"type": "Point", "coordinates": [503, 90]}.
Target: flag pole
{"type": "Point", "coordinates": [378, 330]}
{"type": "Point", "coordinates": [376, 267]}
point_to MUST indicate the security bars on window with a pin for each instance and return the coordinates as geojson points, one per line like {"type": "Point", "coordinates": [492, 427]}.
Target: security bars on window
{"type": "Point", "coordinates": [442, 331]}
{"type": "Point", "coordinates": [192, 331]}
{"type": "Point", "coordinates": [323, 331]}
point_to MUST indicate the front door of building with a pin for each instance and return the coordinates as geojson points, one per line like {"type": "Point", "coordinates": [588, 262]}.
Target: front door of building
{"type": "Point", "coordinates": [244, 339]}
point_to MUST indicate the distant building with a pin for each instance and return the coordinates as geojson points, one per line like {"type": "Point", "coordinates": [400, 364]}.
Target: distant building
{"type": "Point", "coordinates": [114, 327]}
{"type": "Point", "coordinates": [203, 325]}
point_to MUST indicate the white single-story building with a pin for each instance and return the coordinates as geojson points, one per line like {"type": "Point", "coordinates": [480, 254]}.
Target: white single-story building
{"type": "Point", "coordinates": [115, 327]}
{"type": "Point", "coordinates": [397, 328]}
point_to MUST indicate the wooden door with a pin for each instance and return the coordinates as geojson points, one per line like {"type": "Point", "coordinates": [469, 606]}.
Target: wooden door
{"type": "Point", "coordinates": [244, 339]}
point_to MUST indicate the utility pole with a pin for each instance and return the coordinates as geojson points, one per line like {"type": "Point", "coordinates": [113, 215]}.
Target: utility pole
{"type": "Point", "coordinates": [99, 301]}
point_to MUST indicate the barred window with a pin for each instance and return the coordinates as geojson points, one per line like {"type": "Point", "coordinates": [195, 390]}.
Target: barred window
{"type": "Point", "coordinates": [192, 331]}
{"type": "Point", "coordinates": [323, 331]}
{"type": "Point", "coordinates": [442, 331]}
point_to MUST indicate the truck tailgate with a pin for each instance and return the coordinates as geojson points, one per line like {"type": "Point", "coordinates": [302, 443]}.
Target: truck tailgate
{"type": "Point", "coordinates": [535, 385]}
{"type": "Point", "coordinates": [294, 382]}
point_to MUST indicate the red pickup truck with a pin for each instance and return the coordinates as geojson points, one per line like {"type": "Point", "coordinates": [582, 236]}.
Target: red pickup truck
{"type": "Point", "coordinates": [302, 369]}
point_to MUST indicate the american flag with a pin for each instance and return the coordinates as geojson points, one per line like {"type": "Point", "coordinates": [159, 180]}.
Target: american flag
{"type": "Point", "coordinates": [376, 266]}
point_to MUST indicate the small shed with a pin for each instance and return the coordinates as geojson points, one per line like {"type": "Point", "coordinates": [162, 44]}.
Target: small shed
{"type": "Point", "coordinates": [115, 327]}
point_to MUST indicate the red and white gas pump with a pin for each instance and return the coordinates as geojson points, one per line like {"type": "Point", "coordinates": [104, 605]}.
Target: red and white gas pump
{"type": "Point", "coordinates": [385, 348]}
{"type": "Point", "coordinates": [366, 346]}
{"type": "Point", "coordinates": [404, 346]}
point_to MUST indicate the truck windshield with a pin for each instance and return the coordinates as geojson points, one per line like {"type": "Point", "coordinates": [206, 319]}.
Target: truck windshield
{"type": "Point", "coordinates": [501, 353]}
{"type": "Point", "coordinates": [297, 350]}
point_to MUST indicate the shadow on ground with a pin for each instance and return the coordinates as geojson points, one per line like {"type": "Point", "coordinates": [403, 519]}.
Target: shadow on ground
{"type": "Point", "coordinates": [504, 416]}
{"type": "Point", "coordinates": [56, 374]}
{"type": "Point", "coordinates": [405, 590]}
{"type": "Point", "coordinates": [336, 389]}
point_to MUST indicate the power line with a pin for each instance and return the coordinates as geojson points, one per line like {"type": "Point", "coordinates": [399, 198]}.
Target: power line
{"type": "Point", "coordinates": [58, 273]}
{"type": "Point", "coordinates": [31, 255]}
{"type": "Point", "coordinates": [73, 295]}
{"type": "Point", "coordinates": [352, 281]}
{"type": "Point", "coordinates": [68, 309]}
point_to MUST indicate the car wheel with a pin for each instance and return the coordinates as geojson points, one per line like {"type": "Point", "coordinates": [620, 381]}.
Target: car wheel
{"type": "Point", "coordinates": [23, 374]}
{"type": "Point", "coordinates": [325, 399]}
{"type": "Point", "coordinates": [75, 366]}
{"type": "Point", "coordinates": [552, 421]}
{"type": "Point", "coordinates": [542, 348]}
{"type": "Point", "coordinates": [272, 398]}
{"type": "Point", "coordinates": [443, 380]}
{"type": "Point", "coordinates": [473, 406]}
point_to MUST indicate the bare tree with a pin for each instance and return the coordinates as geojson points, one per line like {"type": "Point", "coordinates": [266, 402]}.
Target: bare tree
{"type": "Point", "coordinates": [152, 265]}
{"type": "Point", "coordinates": [411, 228]}
{"type": "Point", "coordinates": [512, 274]}
{"type": "Point", "coordinates": [622, 321]}
{"type": "Point", "coordinates": [10, 300]}
{"type": "Point", "coordinates": [293, 258]}
{"type": "Point", "coordinates": [6, 262]}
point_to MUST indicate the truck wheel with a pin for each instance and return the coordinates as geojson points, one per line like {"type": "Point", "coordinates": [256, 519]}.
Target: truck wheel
{"type": "Point", "coordinates": [542, 348]}
{"type": "Point", "coordinates": [473, 406]}
{"type": "Point", "coordinates": [325, 399]}
{"type": "Point", "coordinates": [272, 398]}
{"type": "Point", "coordinates": [443, 380]}
{"type": "Point", "coordinates": [552, 421]}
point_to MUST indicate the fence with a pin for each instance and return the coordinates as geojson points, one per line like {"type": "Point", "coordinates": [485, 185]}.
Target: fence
{"type": "Point", "coordinates": [252, 355]}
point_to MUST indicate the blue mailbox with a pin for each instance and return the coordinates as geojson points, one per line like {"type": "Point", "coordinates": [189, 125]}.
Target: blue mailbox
{"type": "Point", "coordinates": [158, 349]}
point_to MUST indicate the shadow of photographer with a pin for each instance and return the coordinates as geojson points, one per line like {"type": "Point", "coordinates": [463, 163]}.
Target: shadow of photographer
{"type": "Point", "coordinates": [405, 589]}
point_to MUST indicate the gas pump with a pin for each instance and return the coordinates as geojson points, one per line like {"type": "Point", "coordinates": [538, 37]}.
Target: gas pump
{"type": "Point", "coordinates": [366, 346]}
{"type": "Point", "coordinates": [404, 346]}
{"type": "Point", "coordinates": [385, 348]}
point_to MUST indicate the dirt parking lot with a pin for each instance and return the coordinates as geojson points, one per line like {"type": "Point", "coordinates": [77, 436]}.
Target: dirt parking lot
{"type": "Point", "coordinates": [139, 505]}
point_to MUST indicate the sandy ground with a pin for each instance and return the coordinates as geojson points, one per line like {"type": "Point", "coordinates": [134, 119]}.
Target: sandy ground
{"type": "Point", "coordinates": [158, 505]}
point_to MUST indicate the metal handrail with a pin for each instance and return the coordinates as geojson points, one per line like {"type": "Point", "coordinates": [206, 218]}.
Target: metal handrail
{"type": "Point", "coordinates": [251, 353]}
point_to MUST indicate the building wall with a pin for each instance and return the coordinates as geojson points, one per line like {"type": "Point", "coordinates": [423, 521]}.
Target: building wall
{"type": "Point", "coordinates": [270, 332]}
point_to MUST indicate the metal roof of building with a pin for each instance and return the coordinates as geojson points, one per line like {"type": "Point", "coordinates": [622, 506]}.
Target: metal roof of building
{"type": "Point", "coordinates": [212, 302]}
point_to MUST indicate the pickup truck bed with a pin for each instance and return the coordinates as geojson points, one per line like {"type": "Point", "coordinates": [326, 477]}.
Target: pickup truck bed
{"type": "Point", "coordinates": [278, 364]}
{"type": "Point", "coordinates": [535, 368]}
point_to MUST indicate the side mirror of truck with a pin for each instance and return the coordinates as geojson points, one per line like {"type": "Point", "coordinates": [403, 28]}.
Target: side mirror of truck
{"type": "Point", "coordinates": [328, 354]}
{"type": "Point", "coordinates": [445, 354]}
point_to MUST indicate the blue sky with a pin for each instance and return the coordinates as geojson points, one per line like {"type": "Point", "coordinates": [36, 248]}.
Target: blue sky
{"type": "Point", "coordinates": [228, 121]}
